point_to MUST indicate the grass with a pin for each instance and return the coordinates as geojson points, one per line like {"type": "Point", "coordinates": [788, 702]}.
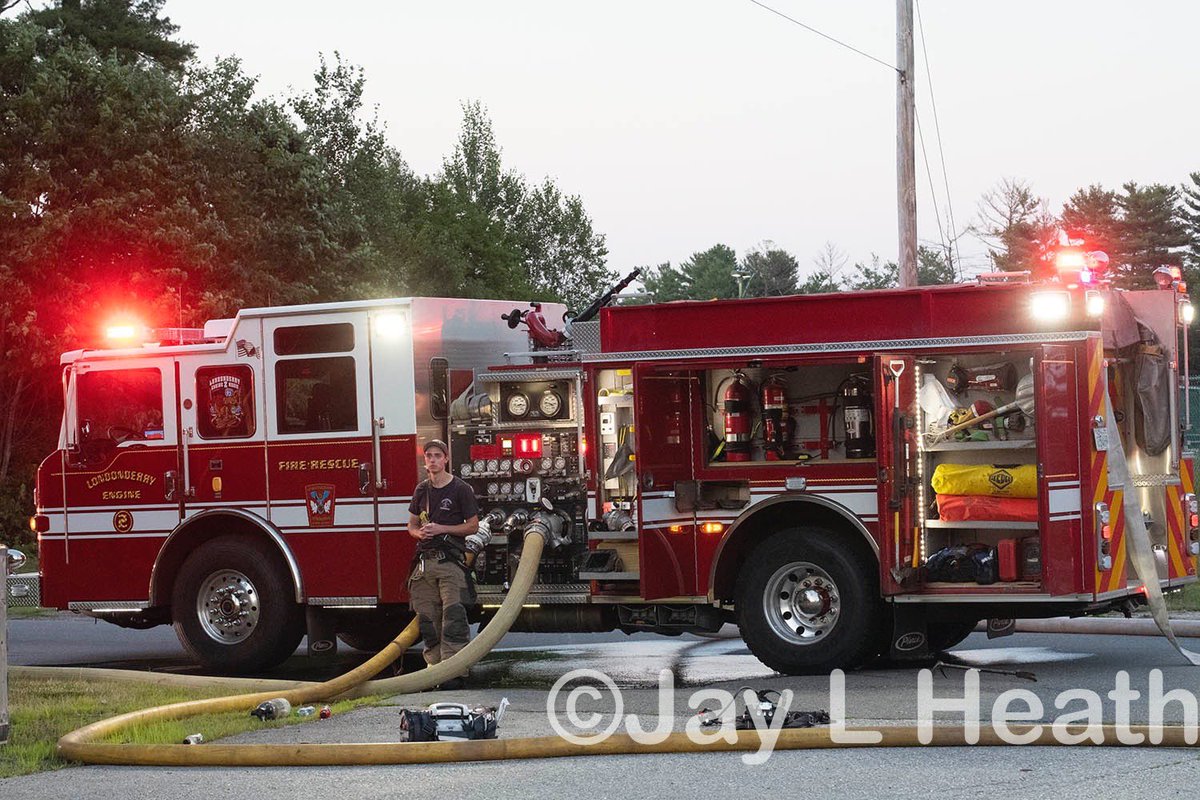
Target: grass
{"type": "Point", "coordinates": [25, 612]}
{"type": "Point", "coordinates": [1187, 599]}
{"type": "Point", "coordinates": [41, 710]}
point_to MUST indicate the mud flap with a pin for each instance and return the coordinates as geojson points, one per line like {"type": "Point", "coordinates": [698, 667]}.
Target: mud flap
{"type": "Point", "coordinates": [1137, 539]}
{"type": "Point", "coordinates": [910, 640]}
{"type": "Point", "coordinates": [997, 627]}
{"type": "Point", "coordinates": [322, 637]}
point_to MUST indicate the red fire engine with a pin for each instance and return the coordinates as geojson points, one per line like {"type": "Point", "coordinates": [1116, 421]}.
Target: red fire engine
{"type": "Point", "coordinates": [840, 475]}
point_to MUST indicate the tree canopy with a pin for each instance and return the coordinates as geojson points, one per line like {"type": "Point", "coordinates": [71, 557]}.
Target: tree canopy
{"type": "Point", "coordinates": [134, 178]}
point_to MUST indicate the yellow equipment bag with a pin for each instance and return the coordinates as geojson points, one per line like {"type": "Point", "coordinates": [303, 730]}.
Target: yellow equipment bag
{"type": "Point", "coordinates": [991, 480]}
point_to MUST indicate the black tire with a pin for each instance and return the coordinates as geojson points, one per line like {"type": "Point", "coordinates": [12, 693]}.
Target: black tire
{"type": "Point", "coordinates": [234, 606]}
{"type": "Point", "coordinates": [944, 635]}
{"type": "Point", "coordinates": [838, 620]}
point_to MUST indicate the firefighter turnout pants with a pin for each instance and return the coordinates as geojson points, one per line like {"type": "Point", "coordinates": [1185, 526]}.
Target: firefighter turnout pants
{"type": "Point", "coordinates": [439, 593]}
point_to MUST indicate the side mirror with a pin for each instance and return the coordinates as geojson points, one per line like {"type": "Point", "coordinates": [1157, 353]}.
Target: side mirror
{"type": "Point", "coordinates": [16, 559]}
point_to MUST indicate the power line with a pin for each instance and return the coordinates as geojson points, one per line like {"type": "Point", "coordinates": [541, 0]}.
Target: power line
{"type": "Point", "coordinates": [933, 192]}
{"type": "Point", "coordinates": [938, 132]}
{"type": "Point", "coordinates": [825, 35]}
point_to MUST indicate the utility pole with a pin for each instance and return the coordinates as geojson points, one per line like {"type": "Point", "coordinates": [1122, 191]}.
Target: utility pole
{"type": "Point", "coordinates": [906, 161]}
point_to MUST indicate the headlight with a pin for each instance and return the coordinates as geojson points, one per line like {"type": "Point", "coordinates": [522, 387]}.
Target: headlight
{"type": "Point", "coordinates": [1050, 306]}
{"type": "Point", "coordinates": [1187, 312]}
{"type": "Point", "coordinates": [1095, 304]}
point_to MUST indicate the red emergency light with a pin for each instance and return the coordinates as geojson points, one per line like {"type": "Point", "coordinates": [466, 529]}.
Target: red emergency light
{"type": "Point", "coordinates": [527, 445]}
{"type": "Point", "coordinates": [123, 332]}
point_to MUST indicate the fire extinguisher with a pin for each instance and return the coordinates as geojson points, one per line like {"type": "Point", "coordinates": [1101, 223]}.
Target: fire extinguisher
{"type": "Point", "coordinates": [858, 417]}
{"type": "Point", "coordinates": [774, 414]}
{"type": "Point", "coordinates": [737, 400]}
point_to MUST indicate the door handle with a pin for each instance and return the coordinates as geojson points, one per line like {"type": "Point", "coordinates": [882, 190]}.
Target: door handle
{"type": "Point", "coordinates": [170, 484]}
{"type": "Point", "coordinates": [364, 478]}
{"type": "Point", "coordinates": [377, 425]}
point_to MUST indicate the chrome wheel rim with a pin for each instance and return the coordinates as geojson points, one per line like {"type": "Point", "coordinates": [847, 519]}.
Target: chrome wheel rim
{"type": "Point", "coordinates": [801, 603]}
{"type": "Point", "coordinates": [227, 606]}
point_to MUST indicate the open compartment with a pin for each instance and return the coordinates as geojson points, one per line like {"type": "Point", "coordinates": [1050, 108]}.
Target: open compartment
{"type": "Point", "coordinates": [977, 497]}
{"type": "Point", "coordinates": [788, 413]}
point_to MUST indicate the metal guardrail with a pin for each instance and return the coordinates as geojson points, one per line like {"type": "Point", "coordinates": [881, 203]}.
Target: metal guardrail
{"type": "Point", "coordinates": [24, 590]}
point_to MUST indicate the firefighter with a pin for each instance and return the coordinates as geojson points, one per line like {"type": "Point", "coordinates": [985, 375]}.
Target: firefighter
{"type": "Point", "coordinates": [442, 514]}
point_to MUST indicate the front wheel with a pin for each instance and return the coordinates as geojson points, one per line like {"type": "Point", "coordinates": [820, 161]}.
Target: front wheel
{"type": "Point", "coordinates": [808, 602]}
{"type": "Point", "coordinates": [233, 606]}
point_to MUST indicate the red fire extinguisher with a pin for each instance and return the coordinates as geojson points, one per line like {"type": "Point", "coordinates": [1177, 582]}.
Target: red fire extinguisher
{"type": "Point", "coordinates": [737, 401]}
{"type": "Point", "coordinates": [774, 411]}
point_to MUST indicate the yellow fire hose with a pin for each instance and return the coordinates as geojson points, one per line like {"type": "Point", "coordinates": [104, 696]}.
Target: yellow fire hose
{"type": "Point", "coordinates": [82, 745]}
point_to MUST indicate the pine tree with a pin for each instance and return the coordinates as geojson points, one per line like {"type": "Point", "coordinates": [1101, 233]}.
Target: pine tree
{"type": "Point", "coordinates": [1154, 232]}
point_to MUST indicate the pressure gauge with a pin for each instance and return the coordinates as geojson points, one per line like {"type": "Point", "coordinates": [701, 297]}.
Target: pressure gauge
{"type": "Point", "coordinates": [493, 465]}
{"type": "Point", "coordinates": [560, 463]}
{"type": "Point", "coordinates": [480, 465]}
{"type": "Point", "coordinates": [493, 488]}
{"type": "Point", "coordinates": [505, 464]}
{"type": "Point", "coordinates": [547, 462]}
{"type": "Point", "coordinates": [550, 404]}
{"type": "Point", "coordinates": [506, 488]}
{"type": "Point", "coordinates": [465, 470]}
{"type": "Point", "coordinates": [518, 405]}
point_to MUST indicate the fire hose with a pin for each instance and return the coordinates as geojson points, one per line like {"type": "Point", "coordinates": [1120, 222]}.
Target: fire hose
{"type": "Point", "coordinates": [83, 744]}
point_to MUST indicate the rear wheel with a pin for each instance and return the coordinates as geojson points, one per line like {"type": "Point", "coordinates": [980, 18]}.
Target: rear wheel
{"type": "Point", "coordinates": [808, 602]}
{"type": "Point", "coordinates": [233, 606]}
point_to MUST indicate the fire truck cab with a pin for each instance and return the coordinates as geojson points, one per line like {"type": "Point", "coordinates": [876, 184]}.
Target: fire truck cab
{"type": "Point", "coordinates": [842, 475]}
{"type": "Point", "coordinates": [251, 480]}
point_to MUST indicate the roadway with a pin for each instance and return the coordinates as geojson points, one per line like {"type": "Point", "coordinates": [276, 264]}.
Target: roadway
{"type": "Point", "coordinates": [884, 694]}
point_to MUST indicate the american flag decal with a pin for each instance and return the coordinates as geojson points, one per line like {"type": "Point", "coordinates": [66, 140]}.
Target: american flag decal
{"type": "Point", "coordinates": [245, 349]}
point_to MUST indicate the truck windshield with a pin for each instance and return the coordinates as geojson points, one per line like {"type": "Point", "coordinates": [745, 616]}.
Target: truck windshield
{"type": "Point", "coordinates": [120, 405]}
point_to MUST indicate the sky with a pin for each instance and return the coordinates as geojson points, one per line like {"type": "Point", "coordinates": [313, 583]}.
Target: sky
{"type": "Point", "coordinates": [686, 124]}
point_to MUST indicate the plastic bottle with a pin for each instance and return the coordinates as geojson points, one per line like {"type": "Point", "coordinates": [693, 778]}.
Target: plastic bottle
{"type": "Point", "coordinates": [306, 711]}
{"type": "Point", "coordinates": [326, 712]}
{"type": "Point", "coordinates": [195, 738]}
{"type": "Point", "coordinates": [272, 709]}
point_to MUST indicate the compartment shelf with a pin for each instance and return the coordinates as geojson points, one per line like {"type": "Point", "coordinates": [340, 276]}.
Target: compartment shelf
{"type": "Point", "coordinates": [608, 576]}
{"type": "Point", "coordinates": [980, 525]}
{"type": "Point", "coordinates": [1010, 444]}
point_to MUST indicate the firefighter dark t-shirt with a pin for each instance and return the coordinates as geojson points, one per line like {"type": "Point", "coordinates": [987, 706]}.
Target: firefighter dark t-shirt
{"type": "Point", "coordinates": [452, 504]}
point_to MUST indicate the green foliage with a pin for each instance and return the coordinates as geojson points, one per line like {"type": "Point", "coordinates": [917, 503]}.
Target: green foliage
{"type": "Point", "coordinates": [134, 179]}
{"type": "Point", "coordinates": [1189, 196]}
{"type": "Point", "coordinates": [130, 30]}
{"type": "Point", "coordinates": [932, 270]}
{"type": "Point", "coordinates": [709, 274]}
{"type": "Point", "coordinates": [515, 239]}
{"type": "Point", "coordinates": [706, 275]}
{"type": "Point", "coordinates": [663, 283]}
{"type": "Point", "coordinates": [1016, 226]}
{"type": "Point", "coordinates": [1153, 231]}
{"type": "Point", "coordinates": [772, 272]}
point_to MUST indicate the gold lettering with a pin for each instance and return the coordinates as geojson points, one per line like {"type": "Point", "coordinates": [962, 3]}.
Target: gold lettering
{"type": "Point", "coordinates": [318, 463]}
{"type": "Point", "coordinates": [120, 475]}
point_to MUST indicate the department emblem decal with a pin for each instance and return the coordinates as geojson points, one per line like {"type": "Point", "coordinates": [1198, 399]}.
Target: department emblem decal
{"type": "Point", "coordinates": [320, 499]}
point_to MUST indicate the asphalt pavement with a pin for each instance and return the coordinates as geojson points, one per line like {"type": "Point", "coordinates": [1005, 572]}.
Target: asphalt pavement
{"type": "Point", "coordinates": [881, 695]}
